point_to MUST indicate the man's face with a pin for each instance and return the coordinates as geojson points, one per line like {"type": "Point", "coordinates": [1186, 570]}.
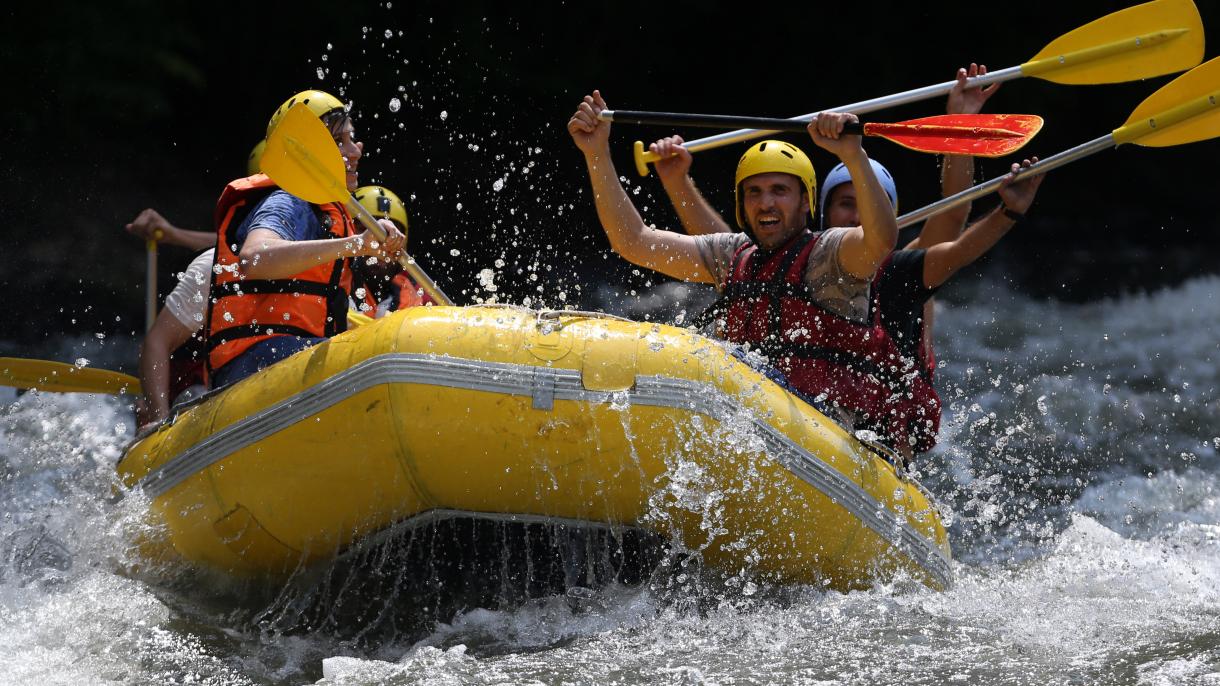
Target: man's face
{"type": "Point", "coordinates": [351, 150]}
{"type": "Point", "coordinates": [841, 207]}
{"type": "Point", "coordinates": [776, 207]}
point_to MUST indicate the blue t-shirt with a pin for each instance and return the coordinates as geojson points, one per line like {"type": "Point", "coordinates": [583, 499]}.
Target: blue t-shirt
{"type": "Point", "coordinates": [288, 216]}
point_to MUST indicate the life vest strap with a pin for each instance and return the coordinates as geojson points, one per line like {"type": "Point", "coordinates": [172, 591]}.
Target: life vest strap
{"type": "Point", "coordinates": [233, 289]}
{"type": "Point", "coordinates": [234, 333]}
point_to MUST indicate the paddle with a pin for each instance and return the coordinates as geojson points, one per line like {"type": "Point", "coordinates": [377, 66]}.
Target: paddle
{"type": "Point", "coordinates": [60, 377]}
{"type": "Point", "coordinates": [1152, 39]}
{"type": "Point", "coordinates": [1184, 110]}
{"type": "Point", "coordinates": [150, 281]}
{"type": "Point", "coordinates": [150, 284]}
{"type": "Point", "coordinates": [980, 135]}
{"type": "Point", "coordinates": [302, 158]}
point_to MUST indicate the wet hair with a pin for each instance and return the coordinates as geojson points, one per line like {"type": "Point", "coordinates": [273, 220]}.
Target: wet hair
{"type": "Point", "coordinates": [335, 120]}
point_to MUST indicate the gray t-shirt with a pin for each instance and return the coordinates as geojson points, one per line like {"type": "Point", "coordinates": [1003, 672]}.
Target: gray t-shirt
{"type": "Point", "coordinates": [830, 286]}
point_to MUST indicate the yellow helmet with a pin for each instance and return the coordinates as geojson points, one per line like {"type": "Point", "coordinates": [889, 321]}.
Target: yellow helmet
{"type": "Point", "coordinates": [383, 204]}
{"type": "Point", "coordinates": [774, 156]}
{"type": "Point", "coordinates": [320, 103]}
{"type": "Point", "coordinates": [254, 161]}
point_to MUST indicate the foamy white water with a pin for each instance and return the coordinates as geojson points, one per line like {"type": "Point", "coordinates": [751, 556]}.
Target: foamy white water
{"type": "Point", "coordinates": [1079, 456]}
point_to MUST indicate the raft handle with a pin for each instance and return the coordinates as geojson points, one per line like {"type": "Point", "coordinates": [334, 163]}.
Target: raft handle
{"type": "Point", "coordinates": [556, 314]}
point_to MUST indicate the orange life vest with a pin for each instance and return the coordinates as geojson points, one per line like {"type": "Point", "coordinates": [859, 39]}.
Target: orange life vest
{"type": "Point", "coordinates": [404, 293]}
{"type": "Point", "coordinates": [243, 312]}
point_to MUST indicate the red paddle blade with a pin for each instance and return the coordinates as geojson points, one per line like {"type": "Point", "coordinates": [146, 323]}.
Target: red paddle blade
{"type": "Point", "coordinates": [978, 135]}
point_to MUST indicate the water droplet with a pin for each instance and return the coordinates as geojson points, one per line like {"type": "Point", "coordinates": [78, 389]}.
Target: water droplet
{"type": "Point", "coordinates": [395, 104]}
{"type": "Point", "coordinates": [498, 185]}
{"type": "Point", "coordinates": [444, 115]}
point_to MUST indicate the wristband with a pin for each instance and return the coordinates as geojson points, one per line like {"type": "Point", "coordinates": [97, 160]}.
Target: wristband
{"type": "Point", "coordinates": [1012, 215]}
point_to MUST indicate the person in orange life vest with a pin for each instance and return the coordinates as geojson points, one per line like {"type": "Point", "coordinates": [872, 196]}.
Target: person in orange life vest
{"type": "Point", "coordinates": [387, 287]}
{"type": "Point", "coordinates": [283, 274]}
{"type": "Point", "coordinates": [171, 355]}
{"type": "Point", "coordinates": [801, 299]}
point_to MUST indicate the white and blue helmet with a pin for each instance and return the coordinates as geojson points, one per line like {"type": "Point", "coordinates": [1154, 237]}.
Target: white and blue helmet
{"type": "Point", "coordinates": [839, 176]}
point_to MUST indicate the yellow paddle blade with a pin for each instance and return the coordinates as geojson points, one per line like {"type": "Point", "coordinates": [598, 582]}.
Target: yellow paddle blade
{"type": "Point", "coordinates": [302, 158]}
{"type": "Point", "coordinates": [356, 319]}
{"type": "Point", "coordinates": [64, 378]}
{"type": "Point", "coordinates": [1184, 110]}
{"type": "Point", "coordinates": [1152, 39]}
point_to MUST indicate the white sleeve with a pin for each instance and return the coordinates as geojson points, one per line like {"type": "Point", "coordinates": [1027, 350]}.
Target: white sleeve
{"type": "Point", "coordinates": [188, 302]}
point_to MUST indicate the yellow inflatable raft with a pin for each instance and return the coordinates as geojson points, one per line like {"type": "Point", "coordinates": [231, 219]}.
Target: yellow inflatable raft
{"type": "Point", "coordinates": [518, 415]}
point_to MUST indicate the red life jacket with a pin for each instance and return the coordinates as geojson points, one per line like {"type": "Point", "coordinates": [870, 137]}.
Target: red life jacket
{"type": "Point", "coordinates": [243, 312]}
{"type": "Point", "coordinates": [922, 406]}
{"type": "Point", "coordinates": [845, 364]}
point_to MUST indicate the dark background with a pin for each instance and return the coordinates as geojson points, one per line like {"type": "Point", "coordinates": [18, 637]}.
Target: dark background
{"type": "Point", "coordinates": [114, 107]}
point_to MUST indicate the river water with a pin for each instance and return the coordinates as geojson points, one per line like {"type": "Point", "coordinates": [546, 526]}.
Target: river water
{"type": "Point", "coordinates": [1079, 457]}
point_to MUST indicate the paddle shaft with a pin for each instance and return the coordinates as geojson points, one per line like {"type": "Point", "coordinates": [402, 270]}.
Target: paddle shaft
{"type": "Point", "coordinates": [150, 285]}
{"type": "Point", "coordinates": [714, 121]}
{"type": "Point", "coordinates": [408, 263]}
{"type": "Point", "coordinates": [988, 187]}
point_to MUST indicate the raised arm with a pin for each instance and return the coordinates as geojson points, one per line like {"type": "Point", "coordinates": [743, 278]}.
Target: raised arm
{"type": "Point", "coordinates": [943, 260]}
{"type": "Point", "coordinates": [670, 253]}
{"type": "Point", "coordinates": [673, 168]}
{"type": "Point", "coordinates": [957, 172]}
{"type": "Point", "coordinates": [864, 247]}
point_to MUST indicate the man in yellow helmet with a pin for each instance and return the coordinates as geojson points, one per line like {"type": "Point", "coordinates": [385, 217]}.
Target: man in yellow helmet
{"type": "Point", "coordinates": [802, 299]}
{"type": "Point", "coordinates": [905, 283]}
{"type": "Point", "coordinates": [283, 274]}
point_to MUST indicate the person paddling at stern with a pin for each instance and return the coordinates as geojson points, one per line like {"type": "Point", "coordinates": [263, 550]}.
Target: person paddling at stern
{"type": "Point", "coordinates": [283, 273]}
{"type": "Point", "coordinates": [800, 298]}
